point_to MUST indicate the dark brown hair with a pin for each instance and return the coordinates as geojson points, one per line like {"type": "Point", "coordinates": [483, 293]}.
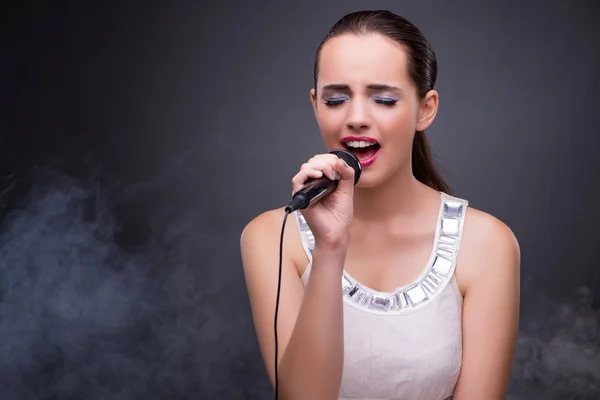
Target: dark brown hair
{"type": "Point", "coordinates": [422, 68]}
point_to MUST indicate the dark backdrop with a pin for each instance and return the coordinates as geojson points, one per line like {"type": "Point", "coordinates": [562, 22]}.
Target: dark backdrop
{"type": "Point", "coordinates": [136, 141]}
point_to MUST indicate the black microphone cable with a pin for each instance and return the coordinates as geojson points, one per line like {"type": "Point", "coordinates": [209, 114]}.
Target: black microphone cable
{"type": "Point", "coordinates": [285, 217]}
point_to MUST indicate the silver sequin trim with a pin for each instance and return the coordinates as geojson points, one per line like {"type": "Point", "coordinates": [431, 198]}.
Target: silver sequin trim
{"type": "Point", "coordinates": [428, 285]}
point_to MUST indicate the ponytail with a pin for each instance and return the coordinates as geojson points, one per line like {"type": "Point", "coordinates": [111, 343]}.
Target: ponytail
{"type": "Point", "coordinates": [423, 166]}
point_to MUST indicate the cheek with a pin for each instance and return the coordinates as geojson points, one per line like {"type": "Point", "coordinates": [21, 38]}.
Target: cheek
{"type": "Point", "coordinates": [330, 122]}
{"type": "Point", "coordinates": [402, 121]}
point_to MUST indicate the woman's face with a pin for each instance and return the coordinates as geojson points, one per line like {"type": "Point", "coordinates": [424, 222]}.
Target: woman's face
{"type": "Point", "coordinates": [366, 102]}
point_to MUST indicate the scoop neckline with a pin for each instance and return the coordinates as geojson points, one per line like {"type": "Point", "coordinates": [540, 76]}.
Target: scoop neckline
{"type": "Point", "coordinates": [436, 274]}
{"type": "Point", "coordinates": [422, 273]}
{"type": "Point", "coordinates": [433, 252]}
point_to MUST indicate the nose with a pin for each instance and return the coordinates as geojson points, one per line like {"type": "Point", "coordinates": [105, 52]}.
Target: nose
{"type": "Point", "coordinates": [358, 116]}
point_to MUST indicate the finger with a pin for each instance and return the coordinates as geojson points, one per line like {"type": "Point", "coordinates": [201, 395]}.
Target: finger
{"type": "Point", "coordinates": [300, 179]}
{"type": "Point", "coordinates": [305, 174]}
{"type": "Point", "coordinates": [319, 159]}
{"type": "Point", "coordinates": [346, 173]}
{"type": "Point", "coordinates": [325, 156]}
{"type": "Point", "coordinates": [326, 165]}
{"type": "Point", "coordinates": [334, 166]}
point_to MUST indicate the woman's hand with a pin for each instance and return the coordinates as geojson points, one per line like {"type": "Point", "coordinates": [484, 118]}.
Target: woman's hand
{"type": "Point", "coordinates": [329, 218]}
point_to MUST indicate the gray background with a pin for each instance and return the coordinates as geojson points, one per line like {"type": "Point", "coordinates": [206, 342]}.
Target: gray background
{"type": "Point", "coordinates": [137, 140]}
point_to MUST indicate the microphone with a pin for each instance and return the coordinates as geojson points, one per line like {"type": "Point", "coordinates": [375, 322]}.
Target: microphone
{"type": "Point", "coordinates": [318, 188]}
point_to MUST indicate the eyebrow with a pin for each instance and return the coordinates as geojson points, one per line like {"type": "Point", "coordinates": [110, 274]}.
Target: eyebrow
{"type": "Point", "coordinates": [344, 87]}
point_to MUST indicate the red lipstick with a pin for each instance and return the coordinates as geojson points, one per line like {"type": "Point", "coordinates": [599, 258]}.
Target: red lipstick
{"type": "Point", "coordinates": [366, 155]}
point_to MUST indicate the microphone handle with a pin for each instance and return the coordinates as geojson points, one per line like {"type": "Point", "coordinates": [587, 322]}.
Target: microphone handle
{"type": "Point", "coordinates": [314, 190]}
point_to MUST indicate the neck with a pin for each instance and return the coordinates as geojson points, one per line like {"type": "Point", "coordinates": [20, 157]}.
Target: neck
{"type": "Point", "coordinates": [401, 195]}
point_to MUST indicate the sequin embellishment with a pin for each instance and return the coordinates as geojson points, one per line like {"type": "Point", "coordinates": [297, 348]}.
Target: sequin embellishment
{"type": "Point", "coordinates": [428, 285]}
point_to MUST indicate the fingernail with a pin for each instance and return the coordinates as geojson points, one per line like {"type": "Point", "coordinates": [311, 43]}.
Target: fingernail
{"type": "Point", "coordinates": [336, 175]}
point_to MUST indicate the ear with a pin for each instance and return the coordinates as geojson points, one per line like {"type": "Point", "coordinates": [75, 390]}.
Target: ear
{"type": "Point", "coordinates": [313, 100]}
{"type": "Point", "coordinates": [427, 110]}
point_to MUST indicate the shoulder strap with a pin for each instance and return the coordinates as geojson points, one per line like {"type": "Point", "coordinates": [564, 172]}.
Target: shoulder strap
{"type": "Point", "coordinates": [308, 240]}
{"type": "Point", "coordinates": [431, 282]}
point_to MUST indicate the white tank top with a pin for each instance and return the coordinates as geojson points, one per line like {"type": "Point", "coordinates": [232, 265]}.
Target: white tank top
{"type": "Point", "coordinates": [405, 344]}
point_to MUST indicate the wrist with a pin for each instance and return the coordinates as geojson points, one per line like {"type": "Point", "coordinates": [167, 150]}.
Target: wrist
{"type": "Point", "coordinates": [331, 253]}
{"type": "Point", "coordinates": [337, 245]}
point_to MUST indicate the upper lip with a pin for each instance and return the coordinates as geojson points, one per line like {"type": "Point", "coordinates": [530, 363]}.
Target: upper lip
{"type": "Point", "coordinates": [358, 139]}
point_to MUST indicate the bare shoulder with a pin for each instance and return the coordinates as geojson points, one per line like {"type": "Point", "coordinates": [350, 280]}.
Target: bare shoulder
{"type": "Point", "coordinates": [262, 266]}
{"type": "Point", "coordinates": [488, 274]}
{"type": "Point", "coordinates": [489, 247]}
{"type": "Point", "coordinates": [263, 233]}
{"type": "Point", "coordinates": [262, 227]}
{"type": "Point", "coordinates": [488, 232]}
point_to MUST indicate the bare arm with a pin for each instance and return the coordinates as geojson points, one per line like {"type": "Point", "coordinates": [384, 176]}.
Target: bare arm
{"type": "Point", "coordinates": [490, 311]}
{"type": "Point", "coordinates": [310, 322]}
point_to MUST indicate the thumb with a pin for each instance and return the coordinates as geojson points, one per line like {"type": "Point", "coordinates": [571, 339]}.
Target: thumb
{"type": "Point", "coordinates": [347, 173]}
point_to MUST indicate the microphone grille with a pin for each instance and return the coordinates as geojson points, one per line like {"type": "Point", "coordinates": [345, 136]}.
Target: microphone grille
{"type": "Point", "coordinates": [351, 160]}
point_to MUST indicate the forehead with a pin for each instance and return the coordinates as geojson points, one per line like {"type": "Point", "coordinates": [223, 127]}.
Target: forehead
{"type": "Point", "coordinates": [361, 60]}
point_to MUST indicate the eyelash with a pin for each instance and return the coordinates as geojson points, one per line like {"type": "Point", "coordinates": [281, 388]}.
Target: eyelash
{"type": "Point", "coordinates": [334, 102]}
{"type": "Point", "coordinates": [337, 102]}
{"type": "Point", "coordinates": [387, 102]}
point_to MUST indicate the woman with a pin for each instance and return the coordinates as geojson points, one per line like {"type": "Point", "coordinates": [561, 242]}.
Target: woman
{"type": "Point", "coordinates": [413, 318]}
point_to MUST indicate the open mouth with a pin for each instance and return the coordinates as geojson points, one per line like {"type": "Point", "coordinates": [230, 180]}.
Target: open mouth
{"type": "Point", "coordinates": [365, 149]}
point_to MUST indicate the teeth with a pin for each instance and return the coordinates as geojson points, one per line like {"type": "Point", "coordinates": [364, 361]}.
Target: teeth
{"type": "Point", "coordinates": [359, 143]}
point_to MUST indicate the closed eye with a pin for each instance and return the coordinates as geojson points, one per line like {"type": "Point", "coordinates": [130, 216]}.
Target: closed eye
{"type": "Point", "coordinates": [388, 101]}
{"type": "Point", "coordinates": [333, 101]}
{"type": "Point", "coordinates": [337, 100]}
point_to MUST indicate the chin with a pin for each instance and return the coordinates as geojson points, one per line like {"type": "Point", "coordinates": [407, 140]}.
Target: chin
{"type": "Point", "coordinates": [369, 180]}
{"type": "Point", "coordinates": [381, 172]}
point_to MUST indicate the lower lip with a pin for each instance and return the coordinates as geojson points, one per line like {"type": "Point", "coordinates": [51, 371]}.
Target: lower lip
{"type": "Point", "coordinates": [371, 159]}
